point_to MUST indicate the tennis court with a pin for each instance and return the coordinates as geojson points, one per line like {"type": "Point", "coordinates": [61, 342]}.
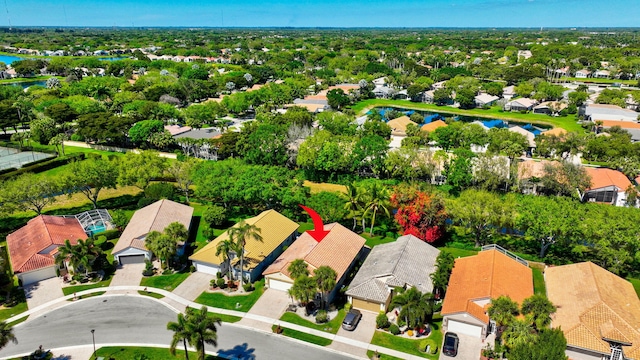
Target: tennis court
{"type": "Point", "coordinates": [13, 158]}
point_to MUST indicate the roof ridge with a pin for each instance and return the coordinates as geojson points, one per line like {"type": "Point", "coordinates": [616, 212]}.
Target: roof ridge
{"type": "Point", "coordinates": [620, 318]}
{"type": "Point", "coordinates": [155, 216]}
{"type": "Point", "coordinates": [493, 269]}
{"type": "Point", "coordinates": [46, 228]}
{"type": "Point", "coordinates": [401, 253]}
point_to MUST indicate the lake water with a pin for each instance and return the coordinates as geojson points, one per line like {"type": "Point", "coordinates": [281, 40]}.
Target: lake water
{"type": "Point", "coordinates": [9, 59]}
{"type": "Point", "coordinates": [26, 84]}
{"type": "Point", "coordinates": [112, 58]}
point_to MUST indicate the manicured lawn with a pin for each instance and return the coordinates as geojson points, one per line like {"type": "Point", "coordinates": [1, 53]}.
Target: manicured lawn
{"type": "Point", "coordinates": [134, 353]}
{"type": "Point", "coordinates": [75, 289]}
{"type": "Point", "coordinates": [318, 187]}
{"type": "Point", "coordinates": [370, 355]}
{"type": "Point", "coordinates": [304, 336]}
{"type": "Point", "coordinates": [89, 295]}
{"type": "Point", "coordinates": [458, 252]}
{"type": "Point", "coordinates": [600, 81]}
{"type": "Point", "coordinates": [151, 294]}
{"type": "Point", "coordinates": [376, 239]}
{"type": "Point", "coordinates": [331, 327]}
{"type": "Point", "coordinates": [165, 282]}
{"type": "Point", "coordinates": [636, 285]}
{"type": "Point", "coordinates": [222, 301]}
{"type": "Point", "coordinates": [225, 317]}
{"type": "Point", "coordinates": [410, 346]}
{"type": "Point", "coordinates": [10, 312]}
{"type": "Point", "coordinates": [569, 122]}
{"type": "Point", "coordinates": [538, 282]}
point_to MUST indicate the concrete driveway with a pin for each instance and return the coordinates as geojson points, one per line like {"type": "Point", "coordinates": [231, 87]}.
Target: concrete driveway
{"type": "Point", "coordinates": [363, 332]}
{"type": "Point", "coordinates": [271, 304]}
{"type": "Point", "coordinates": [43, 291]}
{"type": "Point", "coordinates": [194, 285]}
{"type": "Point", "coordinates": [469, 347]}
{"type": "Point", "coordinates": [128, 275]}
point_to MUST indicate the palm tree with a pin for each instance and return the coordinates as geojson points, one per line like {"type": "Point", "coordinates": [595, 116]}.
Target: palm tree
{"type": "Point", "coordinates": [377, 196]}
{"type": "Point", "coordinates": [179, 334]}
{"type": "Point", "coordinates": [161, 245]}
{"type": "Point", "coordinates": [298, 268]}
{"type": "Point", "coordinates": [304, 289]}
{"type": "Point", "coordinates": [177, 231]}
{"type": "Point", "coordinates": [538, 310]}
{"type": "Point", "coordinates": [225, 248]}
{"type": "Point", "coordinates": [80, 256]}
{"type": "Point", "coordinates": [240, 234]}
{"type": "Point", "coordinates": [415, 307]}
{"type": "Point", "coordinates": [6, 334]}
{"type": "Point", "coordinates": [518, 332]}
{"type": "Point", "coordinates": [325, 278]}
{"type": "Point", "coordinates": [201, 329]}
{"type": "Point", "coordinates": [353, 203]}
{"type": "Point", "coordinates": [503, 311]}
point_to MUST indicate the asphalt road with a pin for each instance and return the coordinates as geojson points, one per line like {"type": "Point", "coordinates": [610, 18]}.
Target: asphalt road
{"type": "Point", "coordinates": [135, 320]}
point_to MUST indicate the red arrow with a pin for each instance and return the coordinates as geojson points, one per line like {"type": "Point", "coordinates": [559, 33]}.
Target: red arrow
{"type": "Point", "coordinates": [318, 232]}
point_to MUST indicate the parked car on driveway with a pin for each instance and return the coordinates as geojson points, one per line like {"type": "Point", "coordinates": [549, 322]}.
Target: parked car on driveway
{"type": "Point", "coordinates": [450, 347]}
{"type": "Point", "coordinates": [351, 320]}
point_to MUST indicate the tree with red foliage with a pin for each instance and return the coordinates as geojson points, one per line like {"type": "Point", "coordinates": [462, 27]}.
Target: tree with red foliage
{"type": "Point", "coordinates": [420, 214]}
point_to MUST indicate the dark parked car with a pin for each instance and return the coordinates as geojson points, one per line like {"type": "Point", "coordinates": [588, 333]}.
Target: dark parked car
{"type": "Point", "coordinates": [450, 347]}
{"type": "Point", "coordinates": [351, 320]}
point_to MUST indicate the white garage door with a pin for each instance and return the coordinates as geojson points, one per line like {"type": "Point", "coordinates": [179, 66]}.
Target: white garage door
{"type": "Point", "coordinates": [37, 275]}
{"type": "Point", "coordinates": [207, 269]}
{"type": "Point", "coordinates": [279, 285]}
{"type": "Point", "coordinates": [464, 328]}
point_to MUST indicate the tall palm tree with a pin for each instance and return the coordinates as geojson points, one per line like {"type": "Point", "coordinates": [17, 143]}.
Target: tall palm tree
{"type": "Point", "coordinates": [518, 332]}
{"type": "Point", "coordinates": [6, 334]}
{"type": "Point", "coordinates": [538, 310]}
{"type": "Point", "coordinates": [177, 231]}
{"type": "Point", "coordinates": [225, 248]}
{"type": "Point", "coordinates": [503, 311]}
{"type": "Point", "coordinates": [240, 234]}
{"type": "Point", "coordinates": [325, 278]}
{"type": "Point", "coordinates": [377, 196]}
{"type": "Point", "coordinates": [180, 333]}
{"type": "Point", "coordinates": [353, 203]}
{"type": "Point", "coordinates": [161, 245]}
{"type": "Point", "coordinates": [298, 268]}
{"type": "Point", "coordinates": [201, 329]}
{"type": "Point", "coordinates": [304, 289]}
{"type": "Point", "coordinates": [415, 307]}
{"type": "Point", "coordinates": [80, 256]}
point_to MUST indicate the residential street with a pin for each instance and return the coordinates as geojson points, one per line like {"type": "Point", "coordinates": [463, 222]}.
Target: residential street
{"type": "Point", "coordinates": [135, 320]}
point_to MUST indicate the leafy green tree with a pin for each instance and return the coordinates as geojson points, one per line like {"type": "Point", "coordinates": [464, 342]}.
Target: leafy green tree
{"type": "Point", "coordinates": [214, 215]}
{"type": "Point", "coordinates": [103, 127]}
{"type": "Point", "coordinates": [182, 172]}
{"type": "Point", "coordinates": [90, 176]}
{"type": "Point", "coordinates": [142, 131]}
{"type": "Point", "coordinates": [337, 99]}
{"type": "Point", "coordinates": [162, 245]}
{"type": "Point", "coordinates": [139, 169]}
{"type": "Point", "coordinates": [550, 344]}
{"type": "Point", "coordinates": [459, 172]}
{"type": "Point", "coordinates": [415, 307]}
{"type": "Point", "coordinates": [61, 113]}
{"type": "Point", "coordinates": [9, 116]}
{"type": "Point", "coordinates": [298, 268]}
{"type": "Point", "coordinates": [466, 98]}
{"type": "Point", "coordinates": [441, 96]}
{"type": "Point", "coordinates": [30, 192]}
{"type": "Point", "coordinates": [518, 332]}
{"type": "Point", "coordinates": [42, 130]}
{"type": "Point", "coordinates": [240, 234]}
{"type": "Point", "coordinates": [329, 206]}
{"type": "Point", "coordinates": [6, 334]}
{"type": "Point", "coordinates": [369, 154]}
{"type": "Point", "coordinates": [202, 329]}
{"type": "Point", "coordinates": [326, 279]}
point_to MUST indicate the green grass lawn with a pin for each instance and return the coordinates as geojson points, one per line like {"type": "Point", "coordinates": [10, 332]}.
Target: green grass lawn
{"type": "Point", "coordinates": [151, 294]}
{"type": "Point", "coordinates": [376, 239]}
{"type": "Point", "coordinates": [370, 355]}
{"type": "Point", "coordinates": [538, 282]}
{"type": "Point", "coordinates": [133, 353]}
{"type": "Point", "coordinates": [331, 327]}
{"type": "Point", "coordinates": [458, 252]}
{"type": "Point", "coordinates": [600, 81]}
{"type": "Point", "coordinates": [89, 295]}
{"type": "Point", "coordinates": [304, 336]}
{"type": "Point", "coordinates": [11, 312]}
{"type": "Point", "coordinates": [69, 290]}
{"type": "Point", "coordinates": [410, 346]}
{"type": "Point", "coordinates": [225, 317]}
{"type": "Point", "coordinates": [165, 282]}
{"type": "Point", "coordinates": [222, 301]}
{"type": "Point", "coordinates": [569, 122]}
{"type": "Point", "coordinates": [636, 285]}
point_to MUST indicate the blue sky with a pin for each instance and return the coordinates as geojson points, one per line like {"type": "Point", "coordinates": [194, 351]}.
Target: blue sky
{"type": "Point", "coordinates": [323, 13]}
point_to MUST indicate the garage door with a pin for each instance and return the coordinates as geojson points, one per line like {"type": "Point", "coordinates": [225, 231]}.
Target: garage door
{"type": "Point", "coordinates": [366, 305]}
{"type": "Point", "coordinates": [207, 269]}
{"type": "Point", "coordinates": [464, 328]}
{"type": "Point", "coordinates": [37, 275]}
{"type": "Point", "coordinates": [279, 285]}
{"type": "Point", "coordinates": [131, 259]}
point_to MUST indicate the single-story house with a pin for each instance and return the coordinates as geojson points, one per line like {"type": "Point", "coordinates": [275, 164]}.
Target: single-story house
{"type": "Point", "coordinates": [527, 134]}
{"type": "Point", "coordinates": [33, 247]}
{"type": "Point", "coordinates": [508, 92]}
{"type": "Point", "coordinates": [384, 92]}
{"type": "Point", "coordinates": [632, 128]}
{"type": "Point", "coordinates": [583, 74]}
{"type": "Point", "coordinates": [475, 281]}
{"type": "Point", "coordinates": [428, 96]}
{"type": "Point", "coordinates": [603, 112]}
{"type": "Point", "coordinates": [520, 104]}
{"type": "Point", "coordinates": [607, 186]}
{"type": "Point", "coordinates": [340, 249]}
{"type": "Point", "coordinates": [433, 125]}
{"type": "Point", "coordinates": [399, 125]}
{"type": "Point", "coordinates": [549, 107]}
{"type": "Point", "coordinates": [407, 262]}
{"type": "Point", "coordinates": [598, 311]}
{"type": "Point", "coordinates": [602, 74]}
{"type": "Point", "coordinates": [558, 131]}
{"type": "Point", "coordinates": [277, 233]}
{"type": "Point", "coordinates": [130, 248]}
{"type": "Point", "coordinates": [485, 99]}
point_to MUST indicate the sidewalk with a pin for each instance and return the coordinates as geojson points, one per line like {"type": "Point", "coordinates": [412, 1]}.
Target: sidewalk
{"type": "Point", "coordinates": [174, 302]}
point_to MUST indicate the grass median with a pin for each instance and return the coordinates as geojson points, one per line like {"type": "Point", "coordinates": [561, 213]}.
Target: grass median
{"type": "Point", "coordinates": [304, 336]}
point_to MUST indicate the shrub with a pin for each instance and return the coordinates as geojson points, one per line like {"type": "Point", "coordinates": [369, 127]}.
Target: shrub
{"type": "Point", "coordinates": [382, 322]}
{"type": "Point", "coordinates": [322, 317]}
{"type": "Point", "coordinates": [213, 283]}
{"type": "Point", "coordinates": [215, 215]}
{"type": "Point", "coordinates": [219, 275]}
{"type": "Point", "coordinates": [192, 268]}
{"type": "Point", "coordinates": [220, 282]}
{"type": "Point", "coordinates": [94, 156]}
{"type": "Point", "coordinates": [148, 269]}
{"type": "Point", "coordinates": [110, 234]}
{"type": "Point", "coordinates": [167, 272]}
{"type": "Point", "coordinates": [347, 307]}
{"type": "Point", "coordinates": [247, 286]}
{"type": "Point", "coordinates": [393, 328]}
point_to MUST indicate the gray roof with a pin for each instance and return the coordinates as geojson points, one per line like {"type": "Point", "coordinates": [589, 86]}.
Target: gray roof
{"type": "Point", "coordinates": [408, 261]}
{"type": "Point", "coordinates": [311, 101]}
{"type": "Point", "coordinates": [206, 133]}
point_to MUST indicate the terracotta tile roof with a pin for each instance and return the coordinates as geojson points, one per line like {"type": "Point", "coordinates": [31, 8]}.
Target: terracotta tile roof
{"type": "Point", "coordinates": [488, 275]}
{"type": "Point", "coordinates": [399, 125]}
{"type": "Point", "coordinates": [622, 124]}
{"type": "Point", "coordinates": [531, 168]}
{"type": "Point", "coordinates": [154, 217]}
{"type": "Point", "coordinates": [603, 177]}
{"type": "Point", "coordinates": [594, 303]}
{"type": "Point", "coordinates": [274, 227]}
{"type": "Point", "coordinates": [32, 246]}
{"type": "Point", "coordinates": [433, 125]}
{"type": "Point", "coordinates": [337, 250]}
{"type": "Point", "coordinates": [556, 132]}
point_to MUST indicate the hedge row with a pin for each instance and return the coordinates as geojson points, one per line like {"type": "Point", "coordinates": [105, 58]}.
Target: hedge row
{"type": "Point", "coordinates": [39, 167]}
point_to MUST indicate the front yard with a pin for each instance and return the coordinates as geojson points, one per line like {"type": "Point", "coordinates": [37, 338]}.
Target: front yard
{"type": "Point", "coordinates": [411, 346]}
{"type": "Point", "coordinates": [232, 302]}
{"type": "Point", "coordinates": [165, 282]}
{"type": "Point", "coordinates": [331, 327]}
{"type": "Point", "coordinates": [135, 353]}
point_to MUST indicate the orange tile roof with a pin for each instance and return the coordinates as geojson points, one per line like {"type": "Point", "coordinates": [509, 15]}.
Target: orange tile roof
{"type": "Point", "coordinates": [32, 246]}
{"type": "Point", "coordinates": [593, 303]}
{"type": "Point", "coordinates": [488, 275]}
{"type": "Point", "coordinates": [531, 168]}
{"type": "Point", "coordinates": [399, 125]}
{"type": "Point", "coordinates": [433, 125]}
{"type": "Point", "coordinates": [622, 124]}
{"type": "Point", "coordinates": [337, 250]}
{"type": "Point", "coordinates": [603, 177]}
{"type": "Point", "coordinates": [555, 131]}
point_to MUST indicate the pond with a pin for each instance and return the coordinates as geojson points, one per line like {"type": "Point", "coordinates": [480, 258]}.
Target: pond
{"type": "Point", "coordinates": [9, 59]}
{"type": "Point", "coordinates": [26, 84]}
{"type": "Point", "coordinates": [430, 116]}
{"type": "Point", "coordinates": [112, 58]}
